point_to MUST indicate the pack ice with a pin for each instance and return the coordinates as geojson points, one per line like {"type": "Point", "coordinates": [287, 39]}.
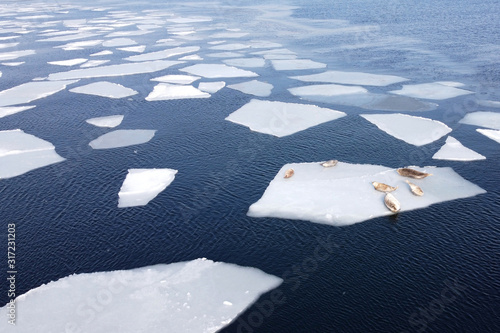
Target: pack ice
{"type": "Point", "coordinates": [195, 296]}
{"type": "Point", "coordinates": [143, 185]}
{"type": "Point", "coordinates": [344, 194]}
{"type": "Point", "coordinates": [453, 150]}
{"type": "Point", "coordinates": [107, 121]}
{"type": "Point", "coordinates": [122, 138]}
{"type": "Point", "coordinates": [21, 152]}
{"type": "Point", "coordinates": [105, 89]}
{"type": "Point", "coordinates": [482, 119]}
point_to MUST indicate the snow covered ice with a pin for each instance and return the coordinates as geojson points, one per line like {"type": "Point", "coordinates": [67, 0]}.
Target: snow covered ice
{"type": "Point", "coordinates": [281, 119]}
{"type": "Point", "coordinates": [10, 110]}
{"type": "Point", "coordinates": [434, 91]}
{"type": "Point", "coordinates": [178, 79]}
{"type": "Point", "coordinates": [105, 89]}
{"type": "Point", "coordinates": [107, 121]}
{"type": "Point", "coordinates": [195, 296]}
{"type": "Point", "coordinates": [482, 119]}
{"type": "Point", "coordinates": [214, 71]}
{"type": "Point", "coordinates": [417, 131]}
{"type": "Point", "coordinates": [211, 87]}
{"type": "Point", "coordinates": [69, 62]}
{"type": "Point", "coordinates": [122, 138]}
{"type": "Point", "coordinates": [254, 87]}
{"type": "Point", "coordinates": [143, 185]}
{"type": "Point", "coordinates": [326, 90]}
{"type": "Point", "coordinates": [358, 78]}
{"type": "Point", "coordinates": [31, 91]}
{"type": "Point", "coordinates": [166, 91]}
{"type": "Point", "coordinates": [344, 194]}
{"type": "Point", "coordinates": [21, 152]}
{"type": "Point", "coordinates": [492, 134]}
{"type": "Point", "coordinates": [453, 150]}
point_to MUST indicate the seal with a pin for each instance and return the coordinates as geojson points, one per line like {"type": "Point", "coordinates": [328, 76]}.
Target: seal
{"type": "Point", "coordinates": [392, 203]}
{"type": "Point", "coordinates": [383, 187]}
{"type": "Point", "coordinates": [407, 172]}
{"type": "Point", "coordinates": [415, 189]}
{"type": "Point", "coordinates": [330, 163]}
{"type": "Point", "coordinates": [289, 173]}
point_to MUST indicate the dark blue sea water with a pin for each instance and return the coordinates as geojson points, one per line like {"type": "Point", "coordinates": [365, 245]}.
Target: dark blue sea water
{"type": "Point", "coordinates": [433, 270]}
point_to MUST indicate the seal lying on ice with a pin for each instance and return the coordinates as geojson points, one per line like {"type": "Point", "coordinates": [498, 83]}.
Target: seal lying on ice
{"type": "Point", "coordinates": [407, 172]}
{"type": "Point", "coordinates": [415, 189]}
{"type": "Point", "coordinates": [392, 203]}
{"type": "Point", "coordinates": [383, 187]}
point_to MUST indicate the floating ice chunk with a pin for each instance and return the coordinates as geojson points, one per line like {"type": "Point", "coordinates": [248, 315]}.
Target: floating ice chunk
{"type": "Point", "coordinates": [262, 44]}
{"type": "Point", "coordinates": [31, 91]}
{"type": "Point", "coordinates": [178, 79]}
{"type": "Point", "coordinates": [102, 53]}
{"type": "Point", "coordinates": [245, 62]}
{"type": "Point", "coordinates": [225, 55]}
{"type": "Point", "coordinates": [194, 19]}
{"type": "Point", "coordinates": [360, 78]}
{"type": "Point", "coordinates": [216, 42]}
{"type": "Point", "coordinates": [217, 71]}
{"type": "Point", "coordinates": [488, 103]}
{"type": "Point", "coordinates": [482, 119]}
{"type": "Point", "coordinates": [122, 138]}
{"type": "Point", "coordinates": [344, 195]}
{"type": "Point", "coordinates": [115, 42]}
{"type": "Point", "coordinates": [296, 64]}
{"type": "Point", "coordinates": [165, 91]}
{"type": "Point", "coordinates": [492, 134]}
{"type": "Point", "coordinates": [129, 33]}
{"type": "Point", "coordinates": [93, 63]}
{"type": "Point", "coordinates": [136, 49]}
{"type": "Point", "coordinates": [7, 111]}
{"type": "Point", "coordinates": [435, 91]}
{"type": "Point", "coordinates": [230, 47]}
{"type": "Point", "coordinates": [326, 90]}
{"type": "Point", "coordinates": [108, 121]}
{"type": "Point", "coordinates": [115, 70]}
{"type": "Point", "coordinates": [7, 45]}
{"type": "Point", "coordinates": [80, 45]}
{"type": "Point", "coordinates": [13, 64]}
{"type": "Point", "coordinates": [187, 297]}
{"type": "Point", "coordinates": [254, 87]}
{"type": "Point", "coordinates": [229, 35]}
{"type": "Point", "coordinates": [21, 152]}
{"type": "Point", "coordinates": [105, 89]}
{"type": "Point", "coordinates": [417, 131]}
{"type": "Point", "coordinates": [191, 57]}
{"type": "Point", "coordinates": [15, 54]}
{"type": "Point", "coordinates": [143, 185]}
{"type": "Point", "coordinates": [451, 84]}
{"type": "Point", "coordinates": [281, 119]}
{"type": "Point", "coordinates": [69, 62]}
{"type": "Point", "coordinates": [453, 150]}
{"type": "Point", "coordinates": [163, 54]}
{"type": "Point", "coordinates": [67, 38]}
{"type": "Point", "coordinates": [278, 56]}
{"type": "Point", "coordinates": [211, 87]}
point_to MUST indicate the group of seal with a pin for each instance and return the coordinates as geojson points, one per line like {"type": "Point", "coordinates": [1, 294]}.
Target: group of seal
{"type": "Point", "coordinates": [327, 164]}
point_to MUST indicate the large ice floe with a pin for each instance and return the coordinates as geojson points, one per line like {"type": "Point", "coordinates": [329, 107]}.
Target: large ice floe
{"type": "Point", "coordinates": [417, 131]}
{"type": "Point", "coordinates": [143, 185]}
{"type": "Point", "coordinates": [105, 89]}
{"type": "Point", "coordinates": [483, 119]}
{"type": "Point", "coordinates": [296, 64]}
{"type": "Point", "coordinates": [31, 91]}
{"type": "Point", "coordinates": [122, 138]}
{"type": "Point", "coordinates": [21, 152]}
{"type": "Point", "coordinates": [167, 91]}
{"type": "Point", "coordinates": [359, 78]}
{"type": "Point", "coordinates": [254, 87]}
{"type": "Point", "coordinates": [177, 79]}
{"type": "Point", "coordinates": [453, 150]}
{"type": "Point", "coordinates": [434, 91]}
{"type": "Point", "coordinates": [107, 121]}
{"type": "Point", "coordinates": [344, 194]}
{"type": "Point", "coordinates": [214, 71]}
{"type": "Point", "coordinates": [195, 296]}
{"type": "Point", "coordinates": [10, 110]}
{"type": "Point", "coordinates": [281, 119]}
{"type": "Point", "coordinates": [492, 134]}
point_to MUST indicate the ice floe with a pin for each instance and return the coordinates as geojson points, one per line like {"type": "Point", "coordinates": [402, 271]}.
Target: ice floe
{"type": "Point", "coordinates": [453, 150]}
{"type": "Point", "coordinates": [21, 152]}
{"type": "Point", "coordinates": [254, 87]}
{"type": "Point", "coordinates": [122, 138]}
{"type": "Point", "coordinates": [143, 185]}
{"type": "Point", "coordinates": [13, 63]}
{"type": "Point", "coordinates": [15, 54]}
{"type": "Point", "coordinates": [326, 90]}
{"type": "Point", "coordinates": [295, 64]}
{"type": "Point", "coordinates": [31, 91]}
{"type": "Point", "coordinates": [492, 134]}
{"type": "Point", "coordinates": [359, 78]}
{"type": "Point", "coordinates": [93, 63]}
{"type": "Point", "coordinates": [483, 119]}
{"type": "Point", "coordinates": [217, 71]}
{"type": "Point", "coordinates": [191, 57]}
{"type": "Point", "coordinates": [69, 62]}
{"type": "Point", "coordinates": [417, 131]}
{"type": "Point", "coordinates": [105, 89]}
{"type": "Point", "coordinates": [230, 47]}
{"type": "Point", "coordinates": [115, 70]}
{"type": "Point", "coordinates": [434, 91]}
{"type": "Point", "coordinates": [101, 53]}
{"type": "Point", "coordinates": [178, 79]}
{"type": "Point", "coordinates": [211, 87]}
{"type": "Point", "coordinates": [344, 194]}
{"type": "Point", "coordinates": [225, 55]}
{"type": "Point", "coordinates": [157, 55]}
{"type": "Point", "coordinates": [195, 296]}
{"type": "Point", "coordinates": [136, 49]}
{"type": "Point", "coordinates": [7, 111]}
{"type": "Point", "coordinates": [107, 121]}
{"type": "Point", "coordinates": [115, 42]}
{"type": "Point", "coordinates": [245, 62]}
{"type": "Point", "coordinates": [166, 91]}
{"type": "Point", "coordinates": [281, 119]}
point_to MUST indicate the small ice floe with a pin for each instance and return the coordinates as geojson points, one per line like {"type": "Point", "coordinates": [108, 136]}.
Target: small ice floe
{"type": "Point", "coordinates": [93, 63]}
{"type": "Point", "coordinates": [177, 79]}
{"type": "Point", "coordinates": [7, 45]}
{"type": "Point", "coordinates": [296, 64]}
{"type": "Point", "coordinates": [281, 119]}
{"type": "Point", "coordinates": [191, 57]}
{"type": "Point", "coordinates": [360, 78]}
{"type": "Point", "coordinates": [15, 54]}
{"type": "Point", "coordinates": [254, 87]}
{"type": "Point", "coordinates": [105, 89]}
{"type": "Point", "coordinates": [13, 63]}
{"type": "Point", "coordinates": [453, 150]}
{"type": "Point", "coordinates": [326, 90]}
{"type": "Point", "coordinates": [188, 20]}
{"type": "Point", "coordinates": [211, 87]}
{"type": "Point", "coordinates": [229, 35]}
{"type": "Point", "coordinates": [114, 70]}
{"type": "Point", "coordinates": [230, 47]}
{"type": "Point", "coordinates": [31, 91]}
{"type": "Point", "coordinates": [417, 131]}
{"type": "Point", "coordinates": [488, 103]}
{"type": "Point", "coordinates": [80, 45]}
{"type": "Point", "coordinates": [492, 134]}
{"type": "Point", "coordinates": [143, 185]}
{"type": "Point", "coordinates": [214, 71]}
{"type": "Point", "coordinates": [263, 44]}
{"type": "Point", "coordinates": [245, 62]}
{"type": "Point", "coordinates": [166, 91]}
{"type": "Point", "coordinates": [157, 55]}
{"type": "Point", "coordinates": [122, 138]}
{"type": "Point", "coordinates": [344, 195]}
{"type": "Point", "coordinates": [434, 91]}
{"type": "Point", "coordinates": [482, 119]}
{"type": "Point", "coordinates": [116, 42]}
{"type": "Point", "coordinates": [21, 152]}
{"type": "Point", "coordinates": [10, 110]}
{"type": "Point", "coordinates": [136, 49]}
{"type": "Point", "coordinates": [102, 53]}
{"type": "Point", "coordinates": [69, 37]}
{"type": "Point", "coordinates": [69, 62]}
{"type": "Point", "coordinates": [129, 33]}
{"type": "Point", "coordinates": [191, 297]}
{"type": "Point", "coordinates": [108, 121]}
